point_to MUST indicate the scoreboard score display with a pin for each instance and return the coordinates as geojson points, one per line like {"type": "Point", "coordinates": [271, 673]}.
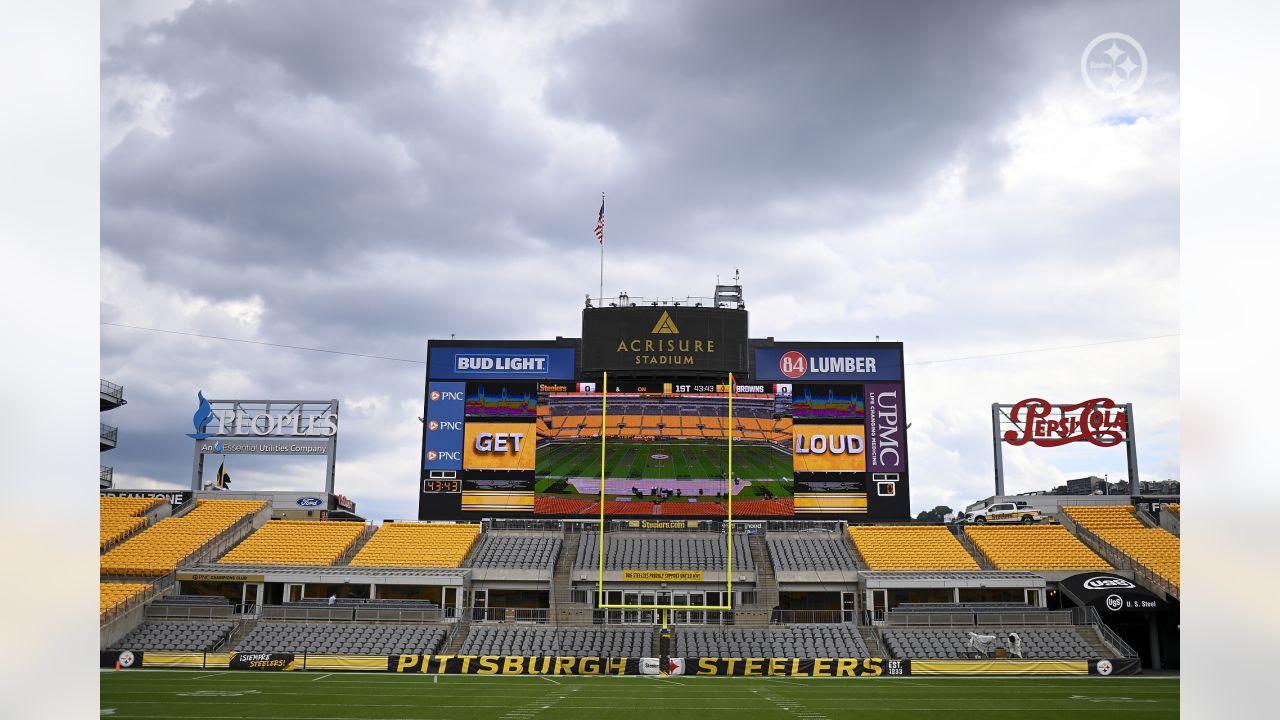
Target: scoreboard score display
{"type": "Point", "coordinates": [513, 428]}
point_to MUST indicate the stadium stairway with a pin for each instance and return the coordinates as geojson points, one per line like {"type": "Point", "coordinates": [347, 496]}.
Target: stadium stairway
{"type": "Point", "coordinates": [766, 580]}
{"type": "Point", "coordinates": [240, 632]}
{"type": "Point", "coordinates": [969, 547]}
{"type": "Point", "coordinates": [457, 636]}
{"type": "Point", "coordinates": [563, 610]}
{"type": "Point", "coordinates": [871, 637]}
{"type": "Point", "coordinates": [356, 546]}
{"type": "Point", "coordinates": [1096, 641]}
{"type": "Point", "coordinates": [858, 561]}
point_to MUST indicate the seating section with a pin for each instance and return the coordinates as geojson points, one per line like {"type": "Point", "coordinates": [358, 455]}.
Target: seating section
{"type": "Point", "coordinates": [910, 547]}
{"type": "Point", "coordinates": [1033, 547]}
{"type": "Point", "coordinates": [295, 542]}
{"type": "Point", "coordinates": [674, 551]}
{"type": "Point", "coordinates": [517, 551]}
{"type": "Point", "coordinates": [562, 642]}
{"type": "Point", "coordinates": [193, 636]}
{"type": "Point", "coordinates": [823, 551]}
{"type": "Point", "coordinates": [802, 642]}
{"type": "Point", "coordinates": [159, 549]}
{"type": "Point", "coordinates": [343, 638]}
{"type": "Point", "coordinates": [119, 516]}
{"type": "Point", "coordinates": [418, 545]}
{"type": "Point", "coordinates": [1171, 507]}
{"type": "Point", "coordinates": [1037, 643]}
{"type": "Point", "coordinates": [113, 595]}
{"type": "Point", "coordinates": [1155, 548]}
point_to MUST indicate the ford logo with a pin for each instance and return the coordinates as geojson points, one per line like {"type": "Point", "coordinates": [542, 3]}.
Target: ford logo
{"type": "Point", "coordinates": [1107, 583]}
{"type": "Point", "coordinates": [310, 502]}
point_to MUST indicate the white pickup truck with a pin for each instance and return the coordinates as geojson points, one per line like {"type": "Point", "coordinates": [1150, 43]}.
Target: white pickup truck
{"type": "Point", "coordinates": [1005, 512]}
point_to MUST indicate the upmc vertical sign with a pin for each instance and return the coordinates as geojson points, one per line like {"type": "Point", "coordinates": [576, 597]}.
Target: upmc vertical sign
{"type": "Point", "coordinates": [443, 430]}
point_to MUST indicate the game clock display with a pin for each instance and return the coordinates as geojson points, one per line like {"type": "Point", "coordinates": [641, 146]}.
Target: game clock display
{"type": "Point", "coordinates": [441, 486]}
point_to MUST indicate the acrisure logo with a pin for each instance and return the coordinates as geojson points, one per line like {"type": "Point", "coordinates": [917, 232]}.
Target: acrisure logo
{"type": "Point", "coordinates": [204, 413]}
{"type": "Point", "coordinates": [1114, 65]}
{"type": "Point", "coordinates": [665, 326]}
{"type": "Point", "coordinates": [1107, 583]}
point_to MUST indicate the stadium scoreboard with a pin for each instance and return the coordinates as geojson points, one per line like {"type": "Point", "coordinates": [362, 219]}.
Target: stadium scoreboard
{"type": "Point", "coordinates": [513, 428]}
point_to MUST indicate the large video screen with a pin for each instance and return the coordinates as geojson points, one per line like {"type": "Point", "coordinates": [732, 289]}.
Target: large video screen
{"type": "Point", "coordinates": [494, 446]}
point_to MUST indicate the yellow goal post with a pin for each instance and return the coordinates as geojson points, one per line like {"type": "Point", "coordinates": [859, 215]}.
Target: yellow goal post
{"type": "Point", "coordinates": [600, 593]}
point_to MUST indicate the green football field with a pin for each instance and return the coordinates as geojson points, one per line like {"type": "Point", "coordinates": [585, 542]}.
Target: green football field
{"type": "Point", "coordinates": [664, 461]}
{"type": "Point", "coordinates": [235, 695]}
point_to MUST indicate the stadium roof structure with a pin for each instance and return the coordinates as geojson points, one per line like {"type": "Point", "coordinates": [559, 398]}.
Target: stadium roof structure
{"type": "Point", "coordinates": [951, 578]}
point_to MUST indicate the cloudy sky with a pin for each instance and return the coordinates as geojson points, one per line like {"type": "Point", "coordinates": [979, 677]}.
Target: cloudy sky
{"type": "Point", "coordinates": [362, 177]}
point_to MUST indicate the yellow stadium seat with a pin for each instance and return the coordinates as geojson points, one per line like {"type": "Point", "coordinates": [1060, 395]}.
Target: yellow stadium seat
{"type": "Point", "coordinates": [418, 545]}
{"type": "Point", "coordinates": [295, 542]}
{"type": "Point", "coordinates": [910, 547]}
{"type": "Point", "coordinates": [159, 549]}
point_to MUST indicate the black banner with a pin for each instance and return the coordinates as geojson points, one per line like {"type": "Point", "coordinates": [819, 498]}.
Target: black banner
{"type": "Point", "coordinates": [126, 659]}
{"type": "Point", "coordinates": [511, 665]}
{"type": "Point", "coordinates": [262, 661]}
{"type": "Point", "coordinates": [676, 341]}
{"type": "Point", "coordinates": [1118, 666]}
{"type": "Point", "coordinates": [1110, 593]}
{"type": "Point", "coordinates": [173, 497]}
{"type": "Point", "coordinates": [797, 667]}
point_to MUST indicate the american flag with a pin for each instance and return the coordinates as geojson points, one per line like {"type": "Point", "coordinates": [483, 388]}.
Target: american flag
{"type": "Point", "coordinates": [600, 224]}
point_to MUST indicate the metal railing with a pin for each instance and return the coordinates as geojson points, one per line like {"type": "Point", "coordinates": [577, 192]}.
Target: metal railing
{"type": "Point", "coordinates": [971, 618]}
{"type": "Point", "coordinates": [105, 476]}
{"type": "Point", "coordinates": [107, 433]}
{"type": "Point", "coordinates": [1088, 615]}
{"type": "Point", "coordinates": [111, 390]}
{"type": "Point", "coordinates": [1124, 561]}
{"type": "Point", "coordinates": [158, 587]}
{"type": "Point", "coordinates": [509, 615]}
{"type": "Point", "coordinates": [808, 617]}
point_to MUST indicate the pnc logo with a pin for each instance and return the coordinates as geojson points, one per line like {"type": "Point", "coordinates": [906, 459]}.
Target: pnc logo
{"type": "Point", "coordinates": [793, 364]}
{"type": "Point", "coordinates": [433, 425]}
{"type": "Point", "coordinates": [435, 395]}
{"type": "Point", "coordinates": [665, 326]}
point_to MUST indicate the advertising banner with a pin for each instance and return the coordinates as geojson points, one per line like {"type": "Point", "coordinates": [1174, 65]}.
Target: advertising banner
{"type": "Point", "coordinates": [511, 665]}
{"type": "Point", "coordinates": [653, 666]}
{"type": "Point", "coordinates": [1110, 593]}
{"type": "Point", "coordinates": [499, 446]}
{"type": "Point", "coordinates": [798, 667]}
{"type": "Point", "coordinates": [886, 412]}
{"type": "Point", "coordinates": [664, 338]}
{"type": "Point", "coordinates": [829, 448]}
{"type": "Point", "coordinates": [219, 446]}
{"type": "Point", "coordinates": [662, 576]}
{"type": "Point", "coordinates": [999, 667]}
{"type": "Point", "coordinates": [501, 363]}
{"type": "Point", "coordinates": [173, 497]}
{"type": "Point", "coordinates": [262, 661]}
{"type": "Point", "coordinates": [1118, 666]}
{"type": "Point", "coordinates": [840, 364]}
{"type": "Point", "coordinates": [442, 426]}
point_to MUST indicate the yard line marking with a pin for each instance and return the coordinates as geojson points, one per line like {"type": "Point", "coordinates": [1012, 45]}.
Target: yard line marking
{"type": "Point", "coordinates": [323, 677]}
{"type": "Point", "coordinates": [553, 682]}
{"type": "Point", "coordinates": [224, 672]}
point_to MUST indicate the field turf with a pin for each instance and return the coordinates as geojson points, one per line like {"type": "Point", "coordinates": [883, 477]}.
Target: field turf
{"type": "Point", "coordinates": [376, 696]}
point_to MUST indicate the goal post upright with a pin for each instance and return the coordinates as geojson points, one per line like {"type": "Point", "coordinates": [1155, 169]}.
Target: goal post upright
{"type": "Point", "coordinates": [727, 605]}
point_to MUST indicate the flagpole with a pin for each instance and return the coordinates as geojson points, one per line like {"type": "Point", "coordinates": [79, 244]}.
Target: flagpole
{"type": "Point", "coordinates": [601, 301]}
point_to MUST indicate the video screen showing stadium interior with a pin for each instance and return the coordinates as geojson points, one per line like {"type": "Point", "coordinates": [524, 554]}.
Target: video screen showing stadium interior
{"type": "Point", "coordinates": [668, 444]}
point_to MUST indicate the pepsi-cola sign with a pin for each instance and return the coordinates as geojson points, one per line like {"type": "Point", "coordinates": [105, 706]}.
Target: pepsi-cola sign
{"type": "Point", "coordinates": [1099, 421]}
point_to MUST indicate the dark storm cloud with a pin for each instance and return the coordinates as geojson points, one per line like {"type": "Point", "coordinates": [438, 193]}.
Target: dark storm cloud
{"type": "Point", "coordinates": [312, 164]}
